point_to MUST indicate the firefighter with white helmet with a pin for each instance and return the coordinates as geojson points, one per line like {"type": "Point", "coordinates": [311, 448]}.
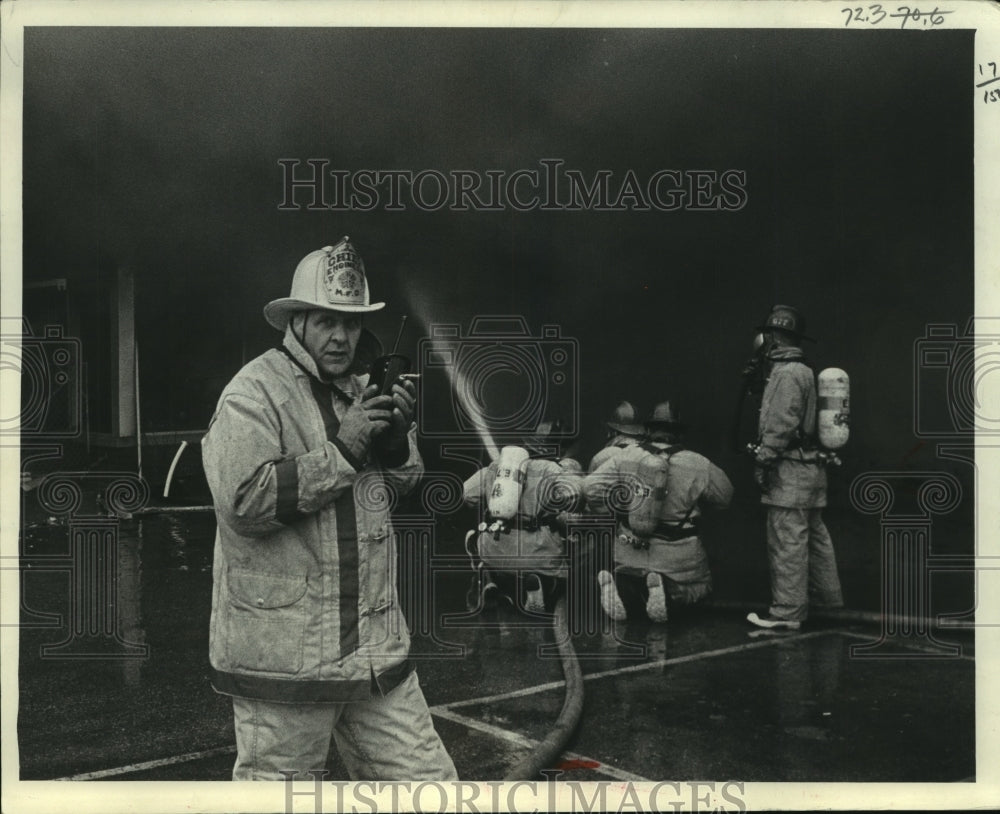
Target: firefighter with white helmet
{"type": "Point", "coordinates": [306, 634]}
{"type": "Point", "coordinates": [657, 489]}
{"type": "Point", "coordinates": [528, 495]}
{"type": "Point", "coordinates": [624, 430]}
{"type": "Point", "coordinates": [790, 470]}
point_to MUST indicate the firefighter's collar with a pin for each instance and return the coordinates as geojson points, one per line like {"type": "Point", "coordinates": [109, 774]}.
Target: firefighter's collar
{"type": "Point", "coordinates": [345, 386]}
{"type": "Point", "coordinates": [785, 353]}
{"type": "Point", "coordinates": [663, 446]}
{"type": "Point", "coordinates": [299, 353]}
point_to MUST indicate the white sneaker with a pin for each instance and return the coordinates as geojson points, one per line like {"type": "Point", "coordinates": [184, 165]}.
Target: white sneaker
{"type": "Point", "coordinates": [656, 605]}
{"type": "Point", "coordinates": [610, 601]}
{"type": "Point", "coordinates": [769, 622]}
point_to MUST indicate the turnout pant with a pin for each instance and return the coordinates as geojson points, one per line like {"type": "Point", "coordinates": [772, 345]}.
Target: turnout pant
{"type": "Point", "coordinates": [802, 561]}
{"type": "Point", "coordinates": [390, 737]}
{"type": "Point", "coordinates": [683, 564]}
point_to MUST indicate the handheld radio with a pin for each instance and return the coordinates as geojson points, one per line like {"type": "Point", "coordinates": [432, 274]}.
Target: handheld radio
{"type": "Point", "coordinates": [386, 370]}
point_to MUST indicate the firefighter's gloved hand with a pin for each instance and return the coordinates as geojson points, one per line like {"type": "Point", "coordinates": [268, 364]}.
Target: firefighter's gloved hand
{"type": "Point", "coordinates": [751, 368]}
{"type": "Point", "coordinates": [393, 446]}
{"type": "Point", "coordinates": [363, 422]}
{"type": "Point", "coordinates": [404, 403]}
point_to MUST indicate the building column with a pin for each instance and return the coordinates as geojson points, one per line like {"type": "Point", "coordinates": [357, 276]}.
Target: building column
{"type": "Point", "coordinates": [123, 418]}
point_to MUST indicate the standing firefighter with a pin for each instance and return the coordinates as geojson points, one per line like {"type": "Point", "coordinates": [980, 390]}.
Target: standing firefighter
{"type": "Point", "coordinates": [655, 488]}
{"type": "Point", "coordinates": [624, 430]}
{"type": "Point", "coordinates": [528, 494]}
{"type": "Point", "coordinates": [791, 473]}
{"type": "Point", "coordinates": [306, 632]}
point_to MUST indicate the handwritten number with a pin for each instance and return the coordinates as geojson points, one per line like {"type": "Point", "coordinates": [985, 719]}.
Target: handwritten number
{"type": "Point", "coordinates": [877, 13]}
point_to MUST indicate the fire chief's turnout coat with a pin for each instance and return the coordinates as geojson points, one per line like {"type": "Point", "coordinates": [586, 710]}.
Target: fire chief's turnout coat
{"type": "Point", "coordinates": [304, 605]}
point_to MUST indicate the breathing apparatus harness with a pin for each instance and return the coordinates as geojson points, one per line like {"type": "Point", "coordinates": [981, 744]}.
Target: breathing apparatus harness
{"type": "Point", "coordinates": [802, 443]}
{"type": "Point", "coordinates": [685, 527]}
{"type": "Point", "coordinates": [520, 522]}
{"type": "Point", "coordinates": [671, 532]}
{"type": "Point", "coordinates": [755, 374]}
{"type": "Point", "coordinates": [503, 506]}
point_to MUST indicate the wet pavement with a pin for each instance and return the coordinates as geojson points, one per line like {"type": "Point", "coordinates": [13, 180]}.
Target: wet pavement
{"type": "Point", "coordinates": [701, 697]}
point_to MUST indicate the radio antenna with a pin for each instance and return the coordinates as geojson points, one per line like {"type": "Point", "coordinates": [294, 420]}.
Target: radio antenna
{"type": "Point", "coordinates": [399, 336]}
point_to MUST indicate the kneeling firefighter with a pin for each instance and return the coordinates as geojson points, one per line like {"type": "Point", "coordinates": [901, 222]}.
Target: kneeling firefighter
{"type": "Point", "coordinates": [520, 547]}
{"type": "Point", "coordinates": [655, 489]}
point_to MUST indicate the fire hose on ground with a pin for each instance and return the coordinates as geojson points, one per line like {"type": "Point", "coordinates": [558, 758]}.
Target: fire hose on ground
{"type": "Point", "coordinates": [548, 751]}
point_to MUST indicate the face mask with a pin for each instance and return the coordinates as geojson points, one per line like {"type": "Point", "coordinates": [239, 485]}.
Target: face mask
{"type": "Point", "coordinates": [753, 370]}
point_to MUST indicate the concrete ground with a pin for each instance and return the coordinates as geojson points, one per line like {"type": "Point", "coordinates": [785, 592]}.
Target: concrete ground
{"type": "Point", "coordinates": [704, 696]}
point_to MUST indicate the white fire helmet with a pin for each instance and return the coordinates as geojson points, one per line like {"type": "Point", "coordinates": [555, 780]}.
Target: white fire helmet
{"type": "Point", "coordinates": [329, 279]}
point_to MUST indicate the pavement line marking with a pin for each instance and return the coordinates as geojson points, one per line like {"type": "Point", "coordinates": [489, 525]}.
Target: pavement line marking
{"type": "Point", "coordinates": [525, 742]}
{"type": "Point", "coordinates": [929, 649]}
{"type": "Point", "coordinates": [446, 710]}
{"type": "Point", "coordinates": [514, 738]}
{"type": "Point", "coordinates": [152, 764]}
{"type": "Point", "coordinates": [633, 668]}
{"type": "Point", "coordinates": [441, 712]}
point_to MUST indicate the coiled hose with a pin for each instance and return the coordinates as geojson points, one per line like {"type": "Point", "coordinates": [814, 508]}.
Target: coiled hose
{"type": "Point", "coordinates": [546, 753]}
